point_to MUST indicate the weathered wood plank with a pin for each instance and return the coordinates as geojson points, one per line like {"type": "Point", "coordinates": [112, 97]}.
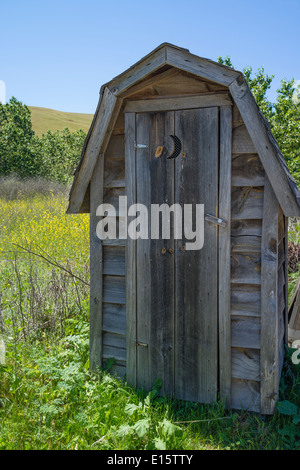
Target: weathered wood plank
{"type": "Point", "coordinates": [245, 332]}
{"type": "Point", "coordinates": [241, 141]}
{"type": "Point", "coordinates": [141, 70]}
{"type": "Point", "coordinates": [96, 264]}
{"type": "Point", "coordinates": [247, 203]}
{"type": "Point", "coordinates": [264, 142]}
{"type": "Point", "coordinates": [176, 103]}
{"type": "Point", "coordinates": [199, 66]}
{"type": "Point", "coordinates": [130, 180]}
{"type": "Point", "coordinates": [245, 300]}
{"type": "Point", "coordinates": [246, 268]}
{"type": "Point", "coordinates": [196, 272]}
{"type": "Point", "coordinates": [245, 395]}
{"type": "Point", "coordinates": [246, 364]}
{"type": "Point", "coordinates": [114, 318]}
{"type": "Point", "coordinates": [224, 254]}
{"type": "Point", "coordinates": [115, 147]}
{"type": "Point", "coordinates": [114, 289]}
{"type": "Point", "coordinates": [114, 173]}
{"type": "Point", "coordinates": [104, 122]}
{"type": "Point", "coordinates": [114, 260]}
{"type": "Point", "coordinates": [247, 170]}
{"type": "Point", "coordinates": [246, 236]}
{"type": "Point", "coordinates": [269, 318]}
{"type": "Point", "coordinates": [155, 80]}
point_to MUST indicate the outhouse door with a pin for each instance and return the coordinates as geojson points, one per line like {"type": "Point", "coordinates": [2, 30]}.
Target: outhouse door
{"type": "Point", "coordinates": [172, 292]}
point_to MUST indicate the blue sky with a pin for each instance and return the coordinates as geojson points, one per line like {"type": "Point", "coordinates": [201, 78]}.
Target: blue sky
{"type": "Point", "coordinates": [57, 53]}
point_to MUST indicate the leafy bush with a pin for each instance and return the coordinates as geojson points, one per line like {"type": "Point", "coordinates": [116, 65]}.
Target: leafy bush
{"type": "Point", "coordinates": [54, 156]}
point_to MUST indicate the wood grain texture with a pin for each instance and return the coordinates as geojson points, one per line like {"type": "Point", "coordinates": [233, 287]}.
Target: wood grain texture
{"type": "Point", "coordinates": [98, 140]}
{"type": "Point", "coordinates": [245, 300]}
{"type": "Point", "coordinates": [246, 394]}
{"type": "Point", "coordinates": [198, 66]}
{"type": "Point", "coordinates": [196, 272]}
{"type": "Point", "coordinates": [224, 254]}
{"type": "Point", "coordinates": [269, 317]}
{"type": "Point", "coordinates": [247, 170]}
{"type": "Point", "coordinates": [241, 141]}
{"type": "Point", "coordinates": [247, 202]}
{"type": "Point", "coordinates": [96, 266]}
{"type": "Point", "coordinates": [245, 364]}
{"type": "Point", "coordinates": [186, 102]}
{"type": "Point", "coordinates": [130, 179]}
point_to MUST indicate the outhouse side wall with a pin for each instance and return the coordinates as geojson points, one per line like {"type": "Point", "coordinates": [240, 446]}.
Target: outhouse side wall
{"type": "Point", "coordinates": [247, 197]}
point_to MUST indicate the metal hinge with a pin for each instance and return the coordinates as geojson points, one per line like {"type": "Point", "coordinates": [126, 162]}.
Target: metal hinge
{"type": "Point", "coordinates": [215, 220]}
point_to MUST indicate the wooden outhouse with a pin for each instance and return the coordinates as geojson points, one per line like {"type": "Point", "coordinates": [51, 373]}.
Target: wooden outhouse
{"type": "Point", "coordinates": [208, 322]}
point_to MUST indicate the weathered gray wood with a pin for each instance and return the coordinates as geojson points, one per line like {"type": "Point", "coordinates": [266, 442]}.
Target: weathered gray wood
{"type": "Point", "coordinates": [114, 289]}
{"type": "Point", "coordinates": [98, 140]}
{"type": "Point", "coordinates": [199, 66]}
{"type": "Point", "coordinates": [246, 236]}
{"type": "Point", "coordinates": [224, 254]}
{"type": "Point", "coordinates": [114, 260]}
{"type": "Point", "coordinates": [154, 80]}
{"type": "Point", "coordinates": [264, 144]}
{"type": "Point", "coordinates": [247, 170]}
{"type": "Point", "coordinates": [241, 141]}
{"type": "Point", "coordinates": [269, 317]}
{"type": "Point", "coordinates": [185, 84]}
{"type": "Point", "coordinates": [114, 173]}
{"type": "Point", "coordinates": [116, 146]}
{"type": "Point", "coordinates": [246, 395]}
{"type": "Point", "coordinates": [130, 180]}
{"type": "Point", "coordinates": [141, 70]}
{"type": "Point", "coordinates": [245, 300]}
{"type": "Point", "coordinates": [247, 203]}
{"type": "Point", "coordinates": [96, 263]}
{"type": "Point", "coordinates": [246, 364]}
{"type": "Point", "coordinates": [114, 318]}
{"type": "Point", "coordinates": [245, 332]}
{"type": "Point", "coordinates": [196, 272]}
{"type": "Point", "coordinates": [286, 276]}
{"type": "Point", "coordinates": [246, 268]}
{"type": "Point", "coordinates": [176, 103]}
{"type": "Point", "coordinates": [155, 269]}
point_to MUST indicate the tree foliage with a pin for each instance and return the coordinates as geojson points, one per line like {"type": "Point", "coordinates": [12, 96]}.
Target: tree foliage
{"type": "Point", "coordinates": [53, 156]}
{"type": "Point", "coordinates": [283, 114]}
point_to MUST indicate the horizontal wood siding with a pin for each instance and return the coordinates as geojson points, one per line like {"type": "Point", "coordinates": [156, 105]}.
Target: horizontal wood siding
{"type": "Point", "coordinates": [247, 194]}
{"type": "Point", "coordinates": [282, 287]}
{"type": "Point", "coordinates": [114, 269]}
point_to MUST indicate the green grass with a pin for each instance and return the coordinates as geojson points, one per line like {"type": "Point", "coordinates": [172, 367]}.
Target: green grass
{"type": "Point", "coordinates": [48, 398]}
{"type": "Point", "coordinates": [44, 119]}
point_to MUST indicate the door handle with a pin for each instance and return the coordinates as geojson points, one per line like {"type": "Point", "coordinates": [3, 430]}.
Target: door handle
{"type": "Point", "coordinates": [215, 220]}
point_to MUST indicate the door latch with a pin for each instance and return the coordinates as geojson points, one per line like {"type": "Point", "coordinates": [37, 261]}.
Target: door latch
{"type": "Point", "coordinates": [139, 343]}
{"type": "Point", "coordinates": [215, 220]}
{"type": "Point", "coordinates": [140, 146]}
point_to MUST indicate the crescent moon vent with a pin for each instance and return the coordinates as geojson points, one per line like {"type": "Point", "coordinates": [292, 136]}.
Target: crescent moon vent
{"type": "Point", "coordinates": [177, 147]}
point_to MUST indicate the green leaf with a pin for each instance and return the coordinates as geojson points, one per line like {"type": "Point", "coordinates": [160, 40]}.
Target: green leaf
{"type": "Point", "coordinates": [287, 408]}
{"type": "Point", "coordinates": [142, 426]}
{"type": "Point", "coordinates": [160, 444]}
{"type": "Point", "coordinates": [296, 419]}
{"type": "Point", "coordinates": [131, 408]}
{"type": "Point", "coordinates": [170, 428]}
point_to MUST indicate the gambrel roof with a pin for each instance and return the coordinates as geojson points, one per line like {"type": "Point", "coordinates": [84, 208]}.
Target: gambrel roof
{"type": "Point", "coordinates": [167, 56]}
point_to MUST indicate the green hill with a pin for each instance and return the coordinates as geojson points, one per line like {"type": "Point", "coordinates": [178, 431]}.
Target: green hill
{"type": "Point", "coordinates": [44, 119]}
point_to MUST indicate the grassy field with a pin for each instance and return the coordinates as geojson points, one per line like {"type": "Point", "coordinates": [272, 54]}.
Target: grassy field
{"type": "Point", "coordinates": [44, 119]}
{"type": "Point", "coordinates": [48, 398]}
